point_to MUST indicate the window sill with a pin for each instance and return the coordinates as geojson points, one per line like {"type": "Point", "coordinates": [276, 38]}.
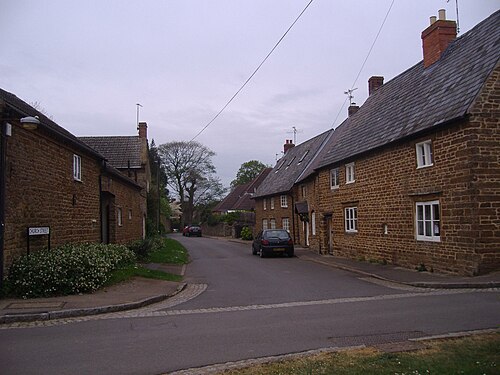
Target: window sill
{"type": "Point", "coordinates": [350, 182]}
{"type": "Point", "coordinates": [425, 166]}
{"type": "Point", "coordinates": [334, 187]}
{"type": "Point", "coordinates": [428, 239]}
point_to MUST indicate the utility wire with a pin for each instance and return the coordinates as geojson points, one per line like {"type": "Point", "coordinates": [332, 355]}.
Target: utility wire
{"type": "Point", "coordinates": [366, 59]}
{"type": "Point", "coordinates": [254, 72]}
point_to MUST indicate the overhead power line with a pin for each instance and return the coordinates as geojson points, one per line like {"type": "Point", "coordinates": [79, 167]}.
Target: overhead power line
{"type": "Point", "coordinates": [364, 62]}
{"type": "Point", "coordinates": [253, 74]}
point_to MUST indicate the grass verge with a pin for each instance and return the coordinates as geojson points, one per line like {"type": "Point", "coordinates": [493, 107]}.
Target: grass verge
{"type": "Point", "coordinates": [476, 354]}
{"type": "Point", "coordinates": [171, 252]}
{"type": "Point", "coordinates": [139, 271]}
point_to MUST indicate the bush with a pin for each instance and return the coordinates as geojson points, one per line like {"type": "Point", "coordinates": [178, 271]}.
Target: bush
{"type": "Point", "coordinates": [246, 234]}
{"type": "Point", "coordinates": [142, 248]}
{"type": "Point", "coordinates": [68, 269]}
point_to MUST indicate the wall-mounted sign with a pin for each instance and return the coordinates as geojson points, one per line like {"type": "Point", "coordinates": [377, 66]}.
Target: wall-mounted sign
{"type": "Point", "coordinates": [38, 231]}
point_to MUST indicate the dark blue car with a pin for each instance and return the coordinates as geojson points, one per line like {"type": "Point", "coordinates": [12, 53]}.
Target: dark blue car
{"type": "Point", "coordinates": [273, 241]}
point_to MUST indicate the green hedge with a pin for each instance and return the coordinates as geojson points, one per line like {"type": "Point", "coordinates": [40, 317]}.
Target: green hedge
{"type": "Point", "coordinates": [68, 269]}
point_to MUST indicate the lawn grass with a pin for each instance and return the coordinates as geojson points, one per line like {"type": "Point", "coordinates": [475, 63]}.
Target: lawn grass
{"type": "Point", "coordinates": [477, 354]}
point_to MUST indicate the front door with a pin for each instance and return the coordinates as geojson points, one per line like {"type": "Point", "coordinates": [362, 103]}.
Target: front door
{"type": "Point", "coordinates": [307, 233]}
{"type": "Point", "coordinates": [329, 227]}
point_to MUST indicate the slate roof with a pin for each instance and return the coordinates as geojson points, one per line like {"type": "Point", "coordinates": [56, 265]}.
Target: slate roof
{"type": "Point", "coordinates": [241, 196]}
{"type": "Point", "coordinates": [21, 107]}
{"type": "Point", "coordinates": [118, 150]}
{"type": "Point", "coordinates": [421, 98]}
{"type": "Point", "coordinates": [291, 166]}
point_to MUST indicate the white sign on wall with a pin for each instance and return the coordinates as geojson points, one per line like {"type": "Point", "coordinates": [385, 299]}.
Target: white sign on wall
{"type": "Point", "coordinates": [38, 231]}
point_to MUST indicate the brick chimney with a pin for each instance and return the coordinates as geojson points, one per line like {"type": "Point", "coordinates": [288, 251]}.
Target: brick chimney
{"type": "Point", "coordinates": [374, 83]}
{"type": "Point", "coordinates": [437, 37]}
{"type": "Point", "coordinates": [143, 130]}
{"type": "Point", "coordinates": [352, 109]}
{"type": "Point", "coordinates": [288, 145]}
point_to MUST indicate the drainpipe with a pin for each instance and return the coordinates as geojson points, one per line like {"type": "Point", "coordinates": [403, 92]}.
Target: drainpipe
{"type": "Point", "coordinates": [3, 143]}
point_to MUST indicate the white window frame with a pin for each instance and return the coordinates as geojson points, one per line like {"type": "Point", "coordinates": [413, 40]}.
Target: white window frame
{"type": "Point", "coordinates": [303, 189]}
{"type": "Point", "coordinates": [77, 167]}
{"type": "Point", "coordinates": [351, 219]}
{"type": "Point", "coordinates": [272, 204]}
{"type": "Point", "coordinates": [350, 173]}
{"type": "Point", "coordinates": [264, 204]}
{"type": "Point", "coordinates": [272, 223]}
{"type": "Point", "coordinates": [334, 178]}
{"type": "Point", "coordinates": [119, 214]}
{"type": "Point", "coordinates": [285, 223]}
{"type": "Point", "coordinates": [424, 154]}
{"type": "Point", "coordinates": [264, 224]}
{"type": "Point", "coordinates": [313, 223]}
{"type": "Point", "coordinates": [284, 201]}
{"type": "Point", "coordinates": [427, 225]}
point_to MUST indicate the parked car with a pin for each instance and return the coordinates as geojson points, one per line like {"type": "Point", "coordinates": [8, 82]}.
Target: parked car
{"type": "Point", "coordinates": [191, 230]}
{"type": "Point", "coordinates": [273, 241]}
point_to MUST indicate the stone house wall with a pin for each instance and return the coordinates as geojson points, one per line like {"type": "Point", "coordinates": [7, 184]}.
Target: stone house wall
{"type": "Point", "coordinates": [127, 200]}
{"type": "Point", "coordinates": [41, 191]}
{"type": "Point", "coordinates": [276, 213]}
{"type": "Point", "coordinates": [464, 179]}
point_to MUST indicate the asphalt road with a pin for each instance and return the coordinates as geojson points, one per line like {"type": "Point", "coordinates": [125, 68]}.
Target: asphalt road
{"type": "Point", "coordinates": [251, 307]}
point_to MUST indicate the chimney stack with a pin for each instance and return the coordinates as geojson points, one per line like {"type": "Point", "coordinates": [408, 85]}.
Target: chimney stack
{"type": "Point", "coordinates": [143, 130]}
{"type": "Point", "coordinates": [288, 145]}
{"type": "Point", "coordinates": [374, 83]}
{"type": "Point", "coordinates": [437, 37]}
{"type": "Point", "coordinates": [352, 109]}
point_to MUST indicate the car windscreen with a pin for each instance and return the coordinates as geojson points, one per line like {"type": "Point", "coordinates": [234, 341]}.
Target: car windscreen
{"type": "Point", "coordinates": [281, 234]}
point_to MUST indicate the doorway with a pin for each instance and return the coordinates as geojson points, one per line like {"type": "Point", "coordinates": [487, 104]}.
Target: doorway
{"type": "Point", "coordinates": [329, 233]}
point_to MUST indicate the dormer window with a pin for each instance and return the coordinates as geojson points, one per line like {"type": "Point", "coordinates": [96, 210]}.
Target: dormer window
{"type": "Point", "coordinates": [424, 154]}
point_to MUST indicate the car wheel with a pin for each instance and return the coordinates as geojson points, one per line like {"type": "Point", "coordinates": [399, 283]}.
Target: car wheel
{"type": "Point", "coordinates": [261, 253]}
{"type": "Point", "coordinates": [253, 251]}
{"type": "Point", "coordinates": [290, 254]}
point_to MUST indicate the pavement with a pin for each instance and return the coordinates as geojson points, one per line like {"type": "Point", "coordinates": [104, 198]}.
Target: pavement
{"type": "Point", "coordinates": [139, 292]}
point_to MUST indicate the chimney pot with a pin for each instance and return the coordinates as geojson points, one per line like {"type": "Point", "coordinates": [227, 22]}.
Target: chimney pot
{"type": "Point", "coordinates": [288, 145]}
{"type": "Point", "coordinates": [442, 14]}
{"type": "Point", "coordinates": [433, 19]}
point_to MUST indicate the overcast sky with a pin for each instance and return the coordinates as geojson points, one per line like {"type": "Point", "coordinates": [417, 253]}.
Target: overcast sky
{"type": "Point", "coordinates": [89, 62]}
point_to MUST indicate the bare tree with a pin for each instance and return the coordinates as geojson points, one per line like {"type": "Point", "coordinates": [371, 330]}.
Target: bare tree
{"type": "Point", "coordinates": [190, 172]}
{"type": "Point", "coordinates": [38, 106]}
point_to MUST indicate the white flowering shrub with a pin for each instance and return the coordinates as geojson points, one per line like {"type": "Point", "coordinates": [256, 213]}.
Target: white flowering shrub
{"type": "Point", "coordinates": [68, 269]}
